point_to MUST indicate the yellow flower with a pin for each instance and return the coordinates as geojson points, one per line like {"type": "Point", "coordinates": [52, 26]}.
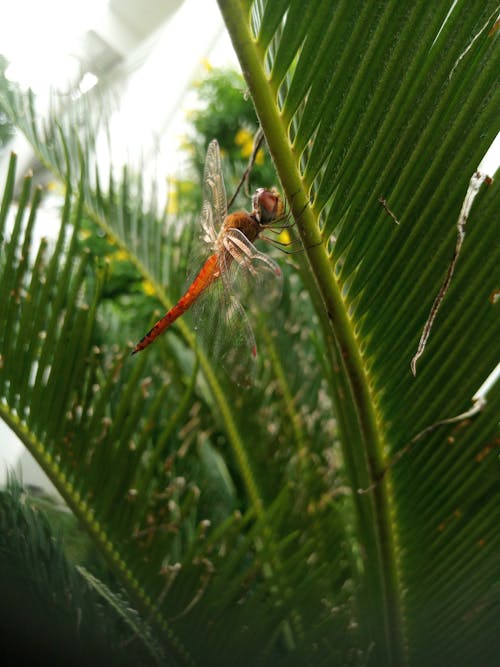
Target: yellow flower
{"type": "Point", "coordinates": [206, 64]}
{"type": "Point", "coordinates": [172, 196]}
{"type": "Point", "coordinates": [121, 256]}
{"type": "Point", "coordinates": [244, 138]}
{"type": "Point", "coordinates": [259, 158]}
{"type": "Point", "coordinates": [148, 288]}
{"type": "Point", "coordinates": [55, 186]}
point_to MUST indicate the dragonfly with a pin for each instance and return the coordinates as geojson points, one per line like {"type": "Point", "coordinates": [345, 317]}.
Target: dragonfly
{"type": "Point", "coordinates": [232, 272]}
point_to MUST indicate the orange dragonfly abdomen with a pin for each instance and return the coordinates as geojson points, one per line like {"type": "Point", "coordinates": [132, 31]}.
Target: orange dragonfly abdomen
{"type": "Point", "coordinates": [208, 273]}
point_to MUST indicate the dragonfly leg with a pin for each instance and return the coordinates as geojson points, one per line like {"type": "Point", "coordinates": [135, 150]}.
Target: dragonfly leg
{"type": "Point", "coordinates": [279, 245]}
{"type": "Point", "coordinates": [278, 229]}
{"type": "Point", "coordinates": [257, 142]}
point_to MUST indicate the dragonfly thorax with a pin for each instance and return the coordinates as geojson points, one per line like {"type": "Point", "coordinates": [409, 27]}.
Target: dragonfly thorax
{"type": "Point", "coordinates": [246, 223]}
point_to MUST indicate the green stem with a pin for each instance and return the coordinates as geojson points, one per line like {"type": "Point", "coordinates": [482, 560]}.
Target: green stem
{"type": "Point", "coordinates": [374, 510]}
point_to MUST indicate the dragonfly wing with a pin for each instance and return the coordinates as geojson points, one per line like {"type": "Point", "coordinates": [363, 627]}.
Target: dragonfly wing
{"type": "Point", "coordinates": [214, 192]}
{"type": "Point", "coordinates": [224, 332]}
{"type": "Point", "coordinates": [208, 235]}
{"type": "Point", "coordinates": [213, 212]}
{"type": "Point", "coordinates": [249, 273]}
{"type": "Point", "coordinates": [240, 356]}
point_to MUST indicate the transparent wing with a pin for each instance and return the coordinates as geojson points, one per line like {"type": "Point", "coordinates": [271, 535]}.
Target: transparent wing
{"type": "Point", "coordinates": [208, 233]}
{"type": "Point", "coordinates": [224, 332]}
{"type": "Point", "coordinates": [213, 212]}
{"type": "Point", "coordinates": [214, 192]}
{"type": "Point", "coordinates": [222, 327]}
{"type": "Point", "coordinates": [251, 275]}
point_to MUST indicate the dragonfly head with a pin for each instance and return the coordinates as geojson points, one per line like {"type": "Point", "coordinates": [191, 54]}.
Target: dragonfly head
{"type": "Point", "coordinates": [267, 205]}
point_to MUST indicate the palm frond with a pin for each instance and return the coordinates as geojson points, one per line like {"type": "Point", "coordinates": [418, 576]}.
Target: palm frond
{"type": "Point", "coordinates": [394, 103]}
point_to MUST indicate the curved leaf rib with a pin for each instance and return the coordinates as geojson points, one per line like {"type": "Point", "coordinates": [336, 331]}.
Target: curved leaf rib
{"type": "Point", "coordinates": [366, 454]}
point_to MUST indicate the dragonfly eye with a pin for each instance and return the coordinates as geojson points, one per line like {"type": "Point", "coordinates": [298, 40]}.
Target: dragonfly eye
{"type": "Point", "coordinates": [267, 205]}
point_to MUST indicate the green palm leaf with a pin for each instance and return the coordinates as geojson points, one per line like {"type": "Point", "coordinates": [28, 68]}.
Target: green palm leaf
{"type": "Point", "coordinates": [238, 514]}
{"type": "Point", "coordinates": [397, 102]}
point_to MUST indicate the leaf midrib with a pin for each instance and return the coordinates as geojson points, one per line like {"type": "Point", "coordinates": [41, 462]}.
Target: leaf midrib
{"type": "Point", "coordinates": [374, 510]}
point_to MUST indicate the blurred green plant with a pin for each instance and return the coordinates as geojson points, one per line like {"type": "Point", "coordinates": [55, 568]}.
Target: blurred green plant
{"type": "Point", "coordinates": [52, 611]}
{"type": "Point", "coordinates": [6, 126]}
{"type": "Point", "coordinates": [226, 112]}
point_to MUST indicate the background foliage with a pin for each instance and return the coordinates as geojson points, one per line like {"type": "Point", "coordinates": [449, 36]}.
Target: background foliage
{"type": "Point", "coordinates": [6, 129]}
{"type": "Point", "coordinates": [232, 518]}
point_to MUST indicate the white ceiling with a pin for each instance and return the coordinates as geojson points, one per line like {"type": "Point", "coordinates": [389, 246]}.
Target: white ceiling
{"type": "Point", "coordinates": [124, 27]}
{"type": "Point", "coordinates": [146, 53]}
{"type": "Point", "coordinates": [144, 17]}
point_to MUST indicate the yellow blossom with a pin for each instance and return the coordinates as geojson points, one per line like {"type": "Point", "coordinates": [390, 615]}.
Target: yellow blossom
{"type": "Point", "coordinates": [148, 288]}
{"type": "Point", "coordinates": [244, 138]}
{"type": "Point", "coordinates": [121, 255]}
{"type": "Point", "coordinates": [55, 186]}
{"type": "Point", "coordinates": [172, 196]}
{"type": "Point", "coordinates": [206, 64]}
{"type": "Point", "coordinates": [173, 203]}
